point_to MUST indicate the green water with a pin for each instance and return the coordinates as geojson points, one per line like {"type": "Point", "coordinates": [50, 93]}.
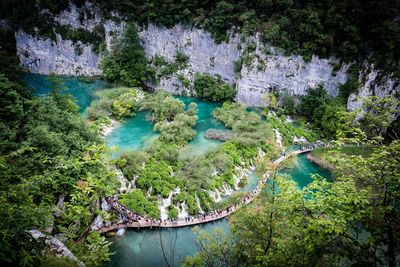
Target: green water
{"type": "Point", "coordinates": [143, 248]}
{"type": "Point", "coordinates": [303, 169]}
{"type": "Point", "coordinates": [133, 133]}
{"type": "Point", "coordinates": [82, 89]}
{"type": "Point", "coordinates": [137, 132]}
{"type": "Point", "coordinates": [200, 145]}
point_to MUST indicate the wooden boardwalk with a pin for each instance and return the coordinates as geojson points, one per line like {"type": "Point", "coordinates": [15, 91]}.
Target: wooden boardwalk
{"type": "Point", "coordinates": [141, 222]}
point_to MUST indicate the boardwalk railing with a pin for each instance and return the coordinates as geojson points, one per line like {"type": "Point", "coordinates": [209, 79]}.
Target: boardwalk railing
{"type": "Point", "coordinates": [133, 220]}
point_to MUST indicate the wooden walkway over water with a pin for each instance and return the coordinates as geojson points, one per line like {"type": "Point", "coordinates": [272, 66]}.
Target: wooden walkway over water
{"type": "Point", "coordinates": [194, 220]}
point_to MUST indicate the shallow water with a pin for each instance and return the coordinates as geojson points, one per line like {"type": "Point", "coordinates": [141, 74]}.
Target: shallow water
{"type": "Point", "coordinates": [302, 171]}
{"type": "Point", "coordinates": [137, 132]}
{"type": "Point", "coordinates": [82, 89]}
{"type": "Point", "coordinates": [143, 248]}
{"type": "Point", "coordinates": [133, 133]}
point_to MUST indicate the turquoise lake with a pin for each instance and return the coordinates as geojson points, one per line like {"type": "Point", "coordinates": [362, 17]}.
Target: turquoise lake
{"type": "Point", "coordinates": [137, 132]}
{"type": "Point", "coordinates": [303, 169]}
{"type": "Point", "coordinates": [81, 89]}
{"type": "Point", "coordinates": [143, 248]}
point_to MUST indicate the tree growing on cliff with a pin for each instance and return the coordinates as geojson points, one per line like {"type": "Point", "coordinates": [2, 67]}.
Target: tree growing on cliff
{"type": "Point", "coordinates": [126, 62]}
{"type": "Point", "coordinates": [213, 88]}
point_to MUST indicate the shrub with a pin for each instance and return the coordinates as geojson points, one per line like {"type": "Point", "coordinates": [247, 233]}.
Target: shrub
{"type": "Point", "coordinates": [213, 88]}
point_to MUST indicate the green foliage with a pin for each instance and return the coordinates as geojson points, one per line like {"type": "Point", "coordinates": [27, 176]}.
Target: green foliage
{"type": "Point", "coordinates": [172, 212]}
{"type": "Point", "coordinates": [271, 100]}
{"type": "Point", "coordinates": [53, 261]}
{"type": "Point", "coordinates": [314, 99]}
{"type": "Point", "coordinates": [163, 105]}
{"type": "Point", "coordinates": [213, 88]}
{"type": "Point", "coordinates": [173, 123]}
{"type": "Point", "coordinates": [139, 203]}
{"type": "Point", "coordinates": [288, 131]}
{"type": "Point", "coordinates": [126, 62]}
{"type": "Point", "coordinates": [165, 68]}
{"type": "Point", "coordinates": [352, 84]}
{"type": "Point", "coordinates": [378, 114]}
{"type": "Point", "coordinates": [94, 251]}
{"type": "Point", "coordinates": [288, 104]}
{"type": "Point", "coordinates": [178, 131]}
{"type": "Point", "coordinates": [118, 102]}
{"type": "Point", "coordinates": [248, 128]}
{"type": "Point", "coordinates": [238, 67]}
{"type": "Point", "coordinates": [323, 224]}
{"type": "Point", "coordinates": [46, 151]}
{"type": "Point", "coordinates": [181, 59]}
{"type": "Point", "coordinates": [215, 249]}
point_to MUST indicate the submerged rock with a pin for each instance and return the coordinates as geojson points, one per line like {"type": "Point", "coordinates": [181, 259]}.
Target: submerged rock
{"type": "Point", "coordinates": [221, 135]}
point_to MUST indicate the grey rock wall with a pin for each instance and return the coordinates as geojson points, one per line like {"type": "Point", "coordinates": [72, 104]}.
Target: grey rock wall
{"type": "Point", "coordinates": [45, 56]}
{"type": "Point", "coordinates": [268, 71]}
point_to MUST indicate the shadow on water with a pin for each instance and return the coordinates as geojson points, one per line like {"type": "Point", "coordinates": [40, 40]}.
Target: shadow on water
{"type": "Point", "coordinates": [303, 170]}
{"type": "Point", "coordinates": [143, 248]}
{"type": "Point", "coordinates": [81, 88]}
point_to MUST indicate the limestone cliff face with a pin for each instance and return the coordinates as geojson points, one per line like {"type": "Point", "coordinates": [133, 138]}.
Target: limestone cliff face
{"type": "Point", "coordinates": [60, 56]}
{"type": "Point", "coordinates": [371, 86]}
{"type": "Point", "coordinates": [204, 54]}
{"type": "Point", "coordinates": [267, 70]}
{"type": "Point", "coordinates": [45, 56]}
{"type": "Point", "coordinates": [273, 71]}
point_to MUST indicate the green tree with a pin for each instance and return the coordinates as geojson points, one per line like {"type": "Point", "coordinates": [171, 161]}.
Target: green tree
{"type": "Point", "coordinates": [352, 220]}
{"type": "Point", "coordinates": [378, 114]}
{"type": "Point", "coordinates": [126, 62]}
{"type": "Point", "coordinates": [213, 88]}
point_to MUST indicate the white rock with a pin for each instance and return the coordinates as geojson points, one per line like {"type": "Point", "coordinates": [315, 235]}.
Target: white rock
{"type": "Point", "coordinates": [57, 246]}
{"type": "Point", "coordinates": [45, 56]}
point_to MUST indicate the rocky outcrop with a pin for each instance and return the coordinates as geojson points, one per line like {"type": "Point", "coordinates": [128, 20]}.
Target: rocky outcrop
{"type": "Point", "coordinates": [205, 55]}
{"type": "Point", "coordinates": [56, 246]}
{"type": "Point", "coordinates": [372, 86]}
{"type": "Point", "coordinates": [275, 72]}
{"type": "Point", "coordinates": [46, 56]}
{"type": "Point", "coordinates": [265, 70]}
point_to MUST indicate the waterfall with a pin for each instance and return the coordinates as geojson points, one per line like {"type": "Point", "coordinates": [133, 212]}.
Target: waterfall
{"type": "Point", "coordinates": [125, 185]}
{"type": "Point", "coordinates": [198, 204]}
{"type": "Point", "coordinates": [278, 137]}
{"type": "Point", "coordinates": [289, 119]}
{"type": "Point", "coordinates": [261, 153]}
{"type": "Point", "coordinates": [182, 211]}
{"type": "Point", "coordinates": [108, 128]}
{"type": "Point", "coordinates": [133, 182]}
{"type": "Point", "coordinates": [149, 191]}
{"type": "Point", "coordinates": [215, 195]}
{"type": "Point", "coordinates": [298, 140]}
{"type": "Point", "coordinates": [227, 189]}
{"type": "Point", "coordinates": [121, 231]}
{"type": "Point", "coordinates": [252, 167]}
{"type": "Point", "coordinates": [165, 202]}
{"type": "Point", "coordinates": [237, 181]}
